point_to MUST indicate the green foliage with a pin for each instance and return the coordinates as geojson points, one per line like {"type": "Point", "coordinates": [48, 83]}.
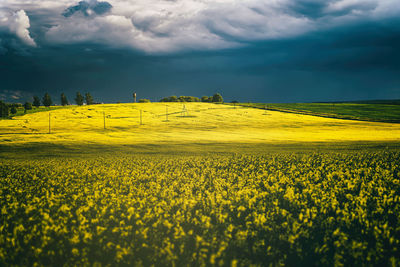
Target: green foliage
{"type": "Point", "coordinates": [89, 99]}
{"type": "Point", "coordinates": [217, 98]}
{"type": "Point", "coordinates": [206, 99]}
{"type": "Point", "coordinates": [180, 99]}
{"type": "Point", "coordinates": [36, 101]}
{"type": "Point", "coordinates": [47, 102]}
{"type": "Point", "coordinates": [364, 112]}
{"type": "Point", "coordinates": [144, 101]}
{"type": "Point", "coordinates": [64, 100]}
{"type": "Point", "coordinates": [79, 99]}
{"type": "Point", "coordinates": [4, 110]}
{"type": "Point", "coordinates": [286, 209]}
{"type": "Point", "coordinates": [13, 110]}
{"type": "Point", "coordinates": [16, 105]}
{"type": "Point", "coordinates": [188, 99]}
{"type": "Point", "coordinates": [169, 99]}
{"type": "Point", "coordinates": [27, 106]}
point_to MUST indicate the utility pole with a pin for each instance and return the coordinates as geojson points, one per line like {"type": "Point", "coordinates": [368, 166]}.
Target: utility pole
{"type": "Point", "coordinates": [166, 113]}
{"type": "Point", "coordinates": [141, 117]}
{"type": "Point", "coordinates": [49, 124]}
{"type": "Point", "coordinates": [134, 96]}
{"type": "Point", "coordinates": [184, 111]}
{"type": "Point", "coordinates": [104, 120]}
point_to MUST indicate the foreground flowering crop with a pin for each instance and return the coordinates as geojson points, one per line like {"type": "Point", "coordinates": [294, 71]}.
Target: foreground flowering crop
{"type": "Point", "coordinates": [290, 209]}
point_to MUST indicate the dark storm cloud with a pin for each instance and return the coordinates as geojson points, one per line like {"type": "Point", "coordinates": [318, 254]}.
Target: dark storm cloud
{"type": "Point", "coordinates": [85, 7]}
{"type": "Point", "coordinates": [311, 9]}
{"type": "Point", "coordinates": [344, 64]}
{"type": "Point", "coordinates": [333, 50]}
{"type": "Point", "coordinates": [361, 47]}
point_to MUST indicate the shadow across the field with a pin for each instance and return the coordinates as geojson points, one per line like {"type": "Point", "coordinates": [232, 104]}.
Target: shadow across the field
{"type": "Point", "coordinates": [48, 150]}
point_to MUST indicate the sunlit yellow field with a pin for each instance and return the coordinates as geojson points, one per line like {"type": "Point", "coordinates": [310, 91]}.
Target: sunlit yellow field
{"type": "Point", "coordinates": [197, 184]}
{"type": "Point", "coordinates": [201, 123]}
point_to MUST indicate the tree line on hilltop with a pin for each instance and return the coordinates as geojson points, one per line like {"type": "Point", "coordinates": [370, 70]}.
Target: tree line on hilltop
{"type": "Point", "coordinates": [7, 109]}
{"type": "Point", "coordinates": [216, 98]}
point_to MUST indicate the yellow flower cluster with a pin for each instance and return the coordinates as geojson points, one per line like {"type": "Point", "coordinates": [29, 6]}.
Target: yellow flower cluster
{"type": "Point", "coordinates": [280, 209]}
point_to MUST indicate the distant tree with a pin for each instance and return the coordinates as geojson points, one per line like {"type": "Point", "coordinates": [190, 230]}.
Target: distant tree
{"type": "Point", "coordinates": [188, 99]}
{"type": "Point", "coordinates": [169, 99]}
{"type": "Point", "coordinates": [217, 98]}
{"type": "Point", "coordinates": [47, 102]}
{"type": "Point", "coordinates": [4, 112]}
{"type": "Point", "coordinates": [144, 101]}
{"type": "Point", "coordinates": [27, 106]}
{"type": "Point", "coordinates": [89, 99]}
{"type": "Point", "coordinates": [180, 99]}
{"type": "Point", "coordinates": [16, 105]}
{"type": "Point", "coordinates": [64, 100]}
{"type": "Point", "coordinates": [79, 99]}
{"type": "Point", "coordinates": [234, 102]}
{"type": "Point", "coordinates": [205, 99]}
{"type": "Point", "coordinates": [13, 110]}
{"type": "Point", "coordinates": [36, 101]}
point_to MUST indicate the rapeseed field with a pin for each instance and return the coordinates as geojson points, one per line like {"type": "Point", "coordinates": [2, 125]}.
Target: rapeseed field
{"type": "Point", "coordinates": [278, 209]}
{"type": "Point", "coordinates": [100, 199]}
{"type": "Point", "coordinates": [185, 123]}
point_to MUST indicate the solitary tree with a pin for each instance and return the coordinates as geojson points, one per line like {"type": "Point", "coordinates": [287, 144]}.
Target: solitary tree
{"type": "Point", "coordinates": [79, 99]}
{"type": "Point", "coordinates": [27, 106]}
{"type": "Point", "coordinates": [217, 98]}
{"type": "Point", "coordinates": [89, 99]}
{"type": "Point", "coordinates": [64, 100]}
{"type": "Point", "coordinates": [4, 112]}
{"type": "Point", "coordinates": [36, 101]}
{"type": "Point", "coordinates": [47, 102]}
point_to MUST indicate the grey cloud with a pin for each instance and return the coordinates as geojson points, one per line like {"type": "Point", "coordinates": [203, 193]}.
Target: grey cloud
{"type": "Point", "coordinates": [88, 7]}
{"type": "Point", "coordinates": [12, 95]}
{"type": "Point", "coordinates": [347, 6]}
{"type": "Point", "coordinates": [160, 26]}
{"type": "Point", "coordinates": [18, 24]}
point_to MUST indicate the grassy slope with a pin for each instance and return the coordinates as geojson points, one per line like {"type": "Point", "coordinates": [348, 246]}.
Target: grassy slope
{"type": "Point", "coordinates": [356, 111]}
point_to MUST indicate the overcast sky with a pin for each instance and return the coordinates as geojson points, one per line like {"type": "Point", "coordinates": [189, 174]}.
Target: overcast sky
{"type": "Point", "coordinates": [247, 50]}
